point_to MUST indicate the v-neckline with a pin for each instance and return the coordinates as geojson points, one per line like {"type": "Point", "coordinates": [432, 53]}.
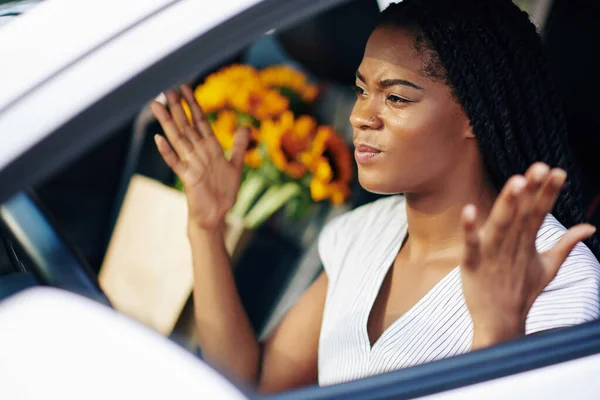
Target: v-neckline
{"type": "Point", "coordinates": [399, 238]}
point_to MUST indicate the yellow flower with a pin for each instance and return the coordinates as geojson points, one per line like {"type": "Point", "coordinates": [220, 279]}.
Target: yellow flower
{"type": "Point", "coordinates": [218, 88]}
{"type": "Point", "coordinates": [186, 109]}
{"type": "Point", "coordinates": [287, 139]}
{"type": "Point", "coordinates": [224, 128]}
{"type": "Point", "coordinates": [253, 158]}
{"type": "Point", "coordinates": [259, 102]}
{"type": "Point", "coordinates": [330, 161]}
{"type": "Point", "coordinates": [283, 76]}
{"type": "Point", "coordinates": [318, 190]}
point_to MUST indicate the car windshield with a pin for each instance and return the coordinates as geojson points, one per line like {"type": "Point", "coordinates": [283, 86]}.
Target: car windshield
{"type": "Point", "coordinates": [284, 188]}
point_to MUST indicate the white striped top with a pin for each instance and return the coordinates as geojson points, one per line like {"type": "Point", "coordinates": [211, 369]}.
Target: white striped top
{"type": "Point", "coordinates": [357, 250]}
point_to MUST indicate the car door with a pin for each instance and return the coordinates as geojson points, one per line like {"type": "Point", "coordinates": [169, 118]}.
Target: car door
{"type": "Point", "coordinates": [171, 42]}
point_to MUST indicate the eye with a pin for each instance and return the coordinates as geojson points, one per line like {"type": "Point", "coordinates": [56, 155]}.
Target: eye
{"type": "Point", "coordinates": [397, 100]}
{"type": "Point", "coordinates": [358, 90]}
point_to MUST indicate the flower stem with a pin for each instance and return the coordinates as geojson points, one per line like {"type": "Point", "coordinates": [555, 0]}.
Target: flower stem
{"type": "Point", "coordinates": [273, 199]}
{"type": "Point", "coordinates": [250, 189]}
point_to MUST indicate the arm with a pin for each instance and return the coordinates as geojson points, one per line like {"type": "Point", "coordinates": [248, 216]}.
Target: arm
{"type": "Point", "coordinates": [223, 330]}
{"type": "Point", "coordinates": [289, 358]}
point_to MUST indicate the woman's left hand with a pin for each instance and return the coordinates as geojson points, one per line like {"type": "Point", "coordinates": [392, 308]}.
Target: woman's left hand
{"type": "Point", "coordinates": [502, 271]}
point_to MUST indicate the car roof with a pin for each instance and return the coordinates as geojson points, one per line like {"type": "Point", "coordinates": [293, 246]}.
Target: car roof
{"type": "Point", "coordinates": [55, 33]}
{"type": "Point", "coordinates": [65, 55]}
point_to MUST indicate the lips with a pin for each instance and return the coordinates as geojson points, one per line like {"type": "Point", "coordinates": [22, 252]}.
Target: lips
{"type": "Point", "coordinates": [363, 148]}
{"type": "Point", "coordinates": [364, 153]}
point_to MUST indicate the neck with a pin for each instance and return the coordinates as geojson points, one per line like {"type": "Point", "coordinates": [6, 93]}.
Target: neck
{"type": "Point", "coordinates": [434, 218]}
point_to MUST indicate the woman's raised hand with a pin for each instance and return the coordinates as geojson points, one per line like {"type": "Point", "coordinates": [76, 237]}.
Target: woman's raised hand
{"type": "Point", "coordinates": [502, 271]}
{"type": "Point", "coordinates": [211, 181]}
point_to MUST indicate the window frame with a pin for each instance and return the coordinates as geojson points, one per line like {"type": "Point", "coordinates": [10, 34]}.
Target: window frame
{"type": "Point", "coordinates": [203, 53]}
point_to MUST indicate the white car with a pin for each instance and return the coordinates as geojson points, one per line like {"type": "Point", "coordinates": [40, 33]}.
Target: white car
{"type": "Point", "coordinates": [73, 74]}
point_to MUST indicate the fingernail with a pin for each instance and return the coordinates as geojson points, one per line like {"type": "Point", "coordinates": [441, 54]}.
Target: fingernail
{"type": "Point", "coordinates": [470, 213]}
{"type": "Point", "coordinates": [518, 185]}
{"type": "Point", "coordinates": [591, 229]}
{"type": "Point", "coordinates": [542, 167]}
{"type": "Point", "coordinates": [561, 174]}
{"type": "Point", "coordinates": [156, 138]}
{"type": "Point", "coordinates": [540, 172]}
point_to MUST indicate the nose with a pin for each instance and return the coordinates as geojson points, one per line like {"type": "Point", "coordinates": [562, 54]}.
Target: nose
{"type": "Point", "coordinates": [364, 117]}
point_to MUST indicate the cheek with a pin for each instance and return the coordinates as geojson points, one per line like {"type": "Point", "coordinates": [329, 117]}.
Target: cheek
{"type": "Point", "coordinates": [419, 137]}
{"type": "Point", "coordinates": [420, 150]}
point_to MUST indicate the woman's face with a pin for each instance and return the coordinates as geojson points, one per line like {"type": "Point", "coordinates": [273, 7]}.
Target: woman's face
{"type": "Point", "coordinates": [409, 133]}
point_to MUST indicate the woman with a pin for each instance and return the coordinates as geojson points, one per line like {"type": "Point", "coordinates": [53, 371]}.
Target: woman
{"type": "Point", "coordinates": [454, 110]}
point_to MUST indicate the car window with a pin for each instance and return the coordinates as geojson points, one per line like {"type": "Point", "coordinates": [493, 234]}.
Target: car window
{"type": "Point", "coordinates": [124, 211]}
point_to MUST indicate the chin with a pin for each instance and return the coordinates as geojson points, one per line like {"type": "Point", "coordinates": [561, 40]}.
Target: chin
{"type": "Point", "coordinates": [376, 182]}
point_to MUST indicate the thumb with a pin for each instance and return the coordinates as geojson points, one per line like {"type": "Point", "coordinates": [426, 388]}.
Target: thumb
{"type": "Point", "coordinates": [240, 144]}
{"type": "Point", "coordinates": [556, 256]}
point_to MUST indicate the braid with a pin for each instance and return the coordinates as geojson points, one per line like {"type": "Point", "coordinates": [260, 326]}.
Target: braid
{"type": "Point", "coordinates": [490, 55]}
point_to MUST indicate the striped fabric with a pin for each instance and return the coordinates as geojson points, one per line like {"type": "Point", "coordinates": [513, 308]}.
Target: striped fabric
{"type": "Point", "coordinates": [358, 248]}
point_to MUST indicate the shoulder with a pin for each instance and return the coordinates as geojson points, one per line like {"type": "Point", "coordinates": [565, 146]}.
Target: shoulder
{"type": "Point", "coordinates": [573, 296]}
{"type": "Point", "coordinates": [344, 231]}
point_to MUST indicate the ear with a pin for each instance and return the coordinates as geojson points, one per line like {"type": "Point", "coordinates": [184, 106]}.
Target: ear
{"type": "Point", "coordinates": [468, 132]}
{"type": "Point", "coordinates": [467, 128]}
{"type": "Point", "coordinates": [464, 123]}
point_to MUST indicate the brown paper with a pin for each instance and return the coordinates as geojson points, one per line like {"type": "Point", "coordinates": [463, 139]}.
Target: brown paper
{"type": "Point", "coordinates": [147, 272]}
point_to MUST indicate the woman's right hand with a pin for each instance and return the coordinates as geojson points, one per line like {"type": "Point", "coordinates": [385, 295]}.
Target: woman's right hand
{"type": "Point", "coordinates": [211, 182]}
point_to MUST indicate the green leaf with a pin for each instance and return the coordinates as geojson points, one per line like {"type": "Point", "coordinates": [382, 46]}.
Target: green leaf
{"type": "Point", "coordinates": [212, 117]}
{"type": "Point", "coordinates": [178, 184]}
{"type": "Point", "coordinates": [297, 104]}
{"type": "Point", "coordinates": [299, 207]}
{"type": "Point", "coordinates": [245, 119]}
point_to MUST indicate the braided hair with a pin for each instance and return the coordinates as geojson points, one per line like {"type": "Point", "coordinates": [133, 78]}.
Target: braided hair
{"type": "Point", "coordinates": [489, 54]}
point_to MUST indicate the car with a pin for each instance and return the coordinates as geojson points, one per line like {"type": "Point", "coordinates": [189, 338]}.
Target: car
{"type": "Point", "coordinates": [72, 93]}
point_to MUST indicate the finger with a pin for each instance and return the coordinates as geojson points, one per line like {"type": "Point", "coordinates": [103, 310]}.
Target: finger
{"type": "Point", "coordinates": [198, 114]}
{"type": "Point", "coordinates": [557, 255]}
{"type": "Point", "coordinates": [547, 196]}
{"type": "Point", "coordinates": [176, 109]}
{"type": "Point", "coordinates": [198, 153]}
{"type": "Point", "coordinates": [472, 242]}
{"type": "Point", "coordinates": [536, 175]}
{"type": "Point", "coordinates": [177, 139]}
{"type": "Point", "coordinates": [240, 144]}
{"type": "Point", "coordinates": [169, 155]}
{"type": "Point", "coordinates": [503, 213]}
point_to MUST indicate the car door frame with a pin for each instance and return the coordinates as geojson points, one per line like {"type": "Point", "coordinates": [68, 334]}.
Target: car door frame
{"type": "Point", "coordinates": [207, 51]}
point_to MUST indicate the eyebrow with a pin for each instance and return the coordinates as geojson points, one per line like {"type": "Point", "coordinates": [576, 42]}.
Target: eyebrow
{"type": "Point", "coordinates": [391, 82]}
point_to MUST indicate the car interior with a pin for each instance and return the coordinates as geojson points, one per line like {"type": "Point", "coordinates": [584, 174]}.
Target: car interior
{"type": "Point", "coordinates": [57, 232]}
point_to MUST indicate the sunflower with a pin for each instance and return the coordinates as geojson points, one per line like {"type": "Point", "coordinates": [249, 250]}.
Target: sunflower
{"type": "Point", "coordinates": [330, 161]}
{"type": "Point", "coordinates": [225, 126]}
{"type": "Point", "coordinates": [259, 102]}
{"type": "Point", "coordinates": [287, 139]}
{"type": "Point", "coordinates": [283, 76]}
{"type": "Point", "coordinates": [254, 157]}
{"type": "Point", "coordinates": [215, 93]}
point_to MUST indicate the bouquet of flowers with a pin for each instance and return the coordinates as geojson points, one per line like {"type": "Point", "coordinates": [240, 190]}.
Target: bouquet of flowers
{"type": "Point", "coordinates": [292, 161]}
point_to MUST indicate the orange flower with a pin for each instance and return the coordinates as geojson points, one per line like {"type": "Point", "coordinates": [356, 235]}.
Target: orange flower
{"type": "Point", "coordinates": [224, 128]}
{"type": "Point", "coordinates": [259, 102]}
{"type": "Point", "coordinates": [283, 76]}
{"type": "Point", "coordinates": [287, 139]}
{"type": "Point", "coordinates": [330, 161]}
{"type": "Point", "coordinates": [253, 157]}
{"type": "Point", "coordinates": [239, 87]}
